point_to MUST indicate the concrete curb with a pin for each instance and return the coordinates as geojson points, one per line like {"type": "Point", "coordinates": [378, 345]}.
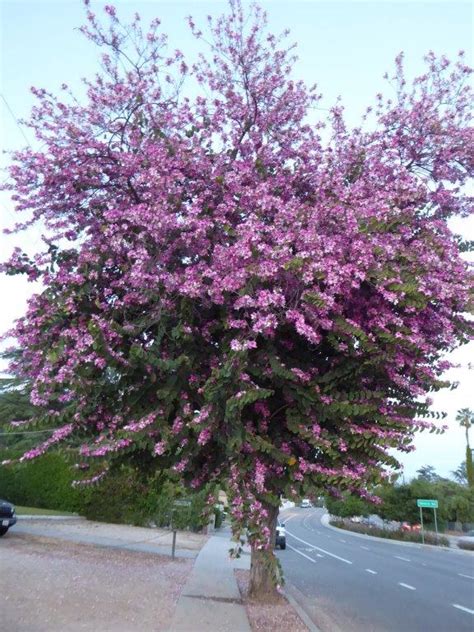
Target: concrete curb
{"type": "Point", "coordinates": [301, 612]}
{"type": "Point", "coordinates": [47, 517]}
{"type": "Point", "coordinates": [445, 549]}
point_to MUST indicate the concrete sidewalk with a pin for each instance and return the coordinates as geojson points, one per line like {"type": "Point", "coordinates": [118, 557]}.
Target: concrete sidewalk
{"type": "Point", "coordinates": [210, 601]}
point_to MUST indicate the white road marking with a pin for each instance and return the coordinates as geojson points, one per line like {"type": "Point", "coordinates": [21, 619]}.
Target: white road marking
{"type": "Point", "coordinates": [300, 553]}
{"type": "Point", "coordinates": [405, 559]}
{"type": "Point", "coordinates": [319, 555]}
{"type": "Point", "coordinates": [366, 548]}
{"type": "Point", "coordinates": [455, 605]}
{"type": "Point", "coordinates": [406, 586]}
{"type": "Point", "coordinates": [342, 540]}
{"type": "Point", "coordinates": [305, 525]}
{"type": "Point", "coordinates": [369, 570]}
{"type": "Point", "coordinates": [319, 549]}
{"type": "Point", "coordinates": [468, 576]}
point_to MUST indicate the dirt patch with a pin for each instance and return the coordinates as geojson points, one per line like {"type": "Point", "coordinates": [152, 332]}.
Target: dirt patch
{"type": "Point", "coordinates": [49, 585]}
{"type": "Point", "coordinates": [278, 617]}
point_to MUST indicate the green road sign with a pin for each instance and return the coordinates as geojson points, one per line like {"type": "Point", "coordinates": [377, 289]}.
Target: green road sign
{"type": "Point", "coordinates": [422, 502]}
{"type": "Point", "coordinates": [182, 503]}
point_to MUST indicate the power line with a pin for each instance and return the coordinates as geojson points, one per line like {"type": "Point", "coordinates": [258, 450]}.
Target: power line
{"type": "Point", "coordinates": [16, 120]}
{"type": "Point", "coordinates": [26, 432]}
{"type": "Point", "coordinates": [5, 208]}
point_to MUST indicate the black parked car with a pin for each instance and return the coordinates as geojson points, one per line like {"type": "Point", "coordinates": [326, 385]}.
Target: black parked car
{"type": "Point", "coordinates": [7, 516]}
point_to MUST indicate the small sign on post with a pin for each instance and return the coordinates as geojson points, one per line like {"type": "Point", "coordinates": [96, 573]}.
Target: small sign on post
{"type": "Point", "coordinates": [427, 503]}
{"type": "Point", "coordinates": [176, 503]}
{"type": "Point", "coordinates": [182, 503]}
{"type": "Point", "coordinates": [430, 504]}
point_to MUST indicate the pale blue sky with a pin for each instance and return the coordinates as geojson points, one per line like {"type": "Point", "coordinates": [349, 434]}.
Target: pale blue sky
{"type": "Point", "coordinates": [345, 47]}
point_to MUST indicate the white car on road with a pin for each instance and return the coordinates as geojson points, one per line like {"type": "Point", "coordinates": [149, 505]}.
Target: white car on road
{"type": "Point", "coordinates": [280, 539]}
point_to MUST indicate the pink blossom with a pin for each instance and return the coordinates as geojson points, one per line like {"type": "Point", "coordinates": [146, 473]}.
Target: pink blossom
{"type": "Point", "coordinates": [160, 448]}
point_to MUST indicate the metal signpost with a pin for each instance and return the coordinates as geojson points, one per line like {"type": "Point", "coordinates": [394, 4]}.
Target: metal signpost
{"type": "Point", "coordinates": [429, 504]}
{"type": "Point", "coordinates": [177, 503]}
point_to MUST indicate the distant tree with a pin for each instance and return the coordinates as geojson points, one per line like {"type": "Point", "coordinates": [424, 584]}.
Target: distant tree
{"type": "Point", "coordinates": [427, 473]}
{"type": "Point", "coordinates": [348, 506]}
{"type": "Point", "coordinates": [460, 473]}
{"type": "Point", "coordinates": [460, 506]}
{"type": "Point", "coordinates": [456, 502]}
{"type": "Point", "coordinates": [15, 404]}
{"type": "Point", "coordinates": [465, 417]}
{"type": "Point", "coordinates": [16, 410]}
{"type": "Point", "coordinates": [398, 503]}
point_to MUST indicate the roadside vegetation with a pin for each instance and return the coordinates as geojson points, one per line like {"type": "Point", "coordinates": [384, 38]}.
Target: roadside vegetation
{"type": "Point", "coordinates": [397, 503]}
{"type": "Point", "coordinates": [467, 546]}
{"type": "Point", "coordinates": [397, 534]}
{"type": "Point", "coordinates": [46, 485]}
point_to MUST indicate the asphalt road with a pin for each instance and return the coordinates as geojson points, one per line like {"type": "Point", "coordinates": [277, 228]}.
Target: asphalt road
{"type": "Point", "coordinates": [347, 583]}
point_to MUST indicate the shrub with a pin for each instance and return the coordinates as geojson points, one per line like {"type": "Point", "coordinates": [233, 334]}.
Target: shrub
{"type": "Point", "coordinates": [126, 497]}
{"type": "Point", "coordinates": [45, 482]}
{"type": "Point", "coordinates": [123, 497]}
{"type": "Point", "coordinates": [407, 536]}
{"type": "Point", "coordinates": [468, 546]}
{"type": "Point", "coordinates": [120, 497]}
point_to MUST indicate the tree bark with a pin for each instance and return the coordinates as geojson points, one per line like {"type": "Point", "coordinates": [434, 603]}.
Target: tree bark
{"type": "Point", "coordinates": [264, 568]}
{"type": "Point", "coordinates": [469, 467]}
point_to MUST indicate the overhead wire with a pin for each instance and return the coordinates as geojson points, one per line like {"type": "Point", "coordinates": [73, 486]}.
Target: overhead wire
{"type": "Point", "coordinates": [17, 123]}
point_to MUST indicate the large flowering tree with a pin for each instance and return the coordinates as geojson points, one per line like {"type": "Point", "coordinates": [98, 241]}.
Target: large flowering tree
{"type": "Point", "coordinates": [226, 294]}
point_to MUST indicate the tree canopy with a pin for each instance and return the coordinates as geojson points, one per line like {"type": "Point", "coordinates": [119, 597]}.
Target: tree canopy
{"type": "Point", "coordinates": [465, 418]}
{"type": "Point", "coordinates": [231, 291]}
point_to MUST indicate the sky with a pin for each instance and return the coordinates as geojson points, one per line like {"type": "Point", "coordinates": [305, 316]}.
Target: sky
{"type": "Point", "coordinates": [344, 47]}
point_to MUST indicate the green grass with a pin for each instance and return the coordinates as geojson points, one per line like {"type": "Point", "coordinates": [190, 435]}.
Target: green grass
{"type": "Point", "coordinates": [37, 511]}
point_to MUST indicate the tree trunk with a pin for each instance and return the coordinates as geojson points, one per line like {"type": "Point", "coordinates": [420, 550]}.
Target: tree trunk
{"type": "Point", "coordinates": [264, 567]}
{"type": "Point", "coordinates": [469, 467]}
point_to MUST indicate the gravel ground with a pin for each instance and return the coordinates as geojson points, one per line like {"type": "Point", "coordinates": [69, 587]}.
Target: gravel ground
{"type": "Point", "coordinates": [49, 585]}
{"type": "Point", "coordinates": [277, 617]}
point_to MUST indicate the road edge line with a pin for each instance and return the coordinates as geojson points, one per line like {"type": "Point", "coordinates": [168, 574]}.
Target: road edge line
{"type": "Point", "coordinates": [313, 546]}
{"type": "Point", "coordinates": [301, 553]}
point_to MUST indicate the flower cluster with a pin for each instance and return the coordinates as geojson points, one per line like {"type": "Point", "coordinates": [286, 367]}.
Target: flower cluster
{"type": "Point", "coordinates": [225, 294]}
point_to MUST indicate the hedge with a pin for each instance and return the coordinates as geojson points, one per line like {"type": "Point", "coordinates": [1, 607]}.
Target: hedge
{"type": "Point", "coordinates": [122, 497]}
{"type": "Point", "coordinates": [45, 482]}
{"type": "Point", "coordinates": [407, 536]}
